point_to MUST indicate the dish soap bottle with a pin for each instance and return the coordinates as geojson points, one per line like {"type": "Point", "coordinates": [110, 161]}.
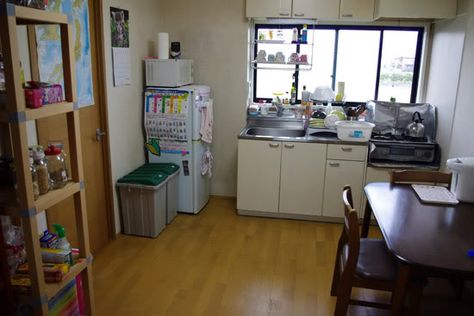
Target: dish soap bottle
{"type": "Point", "coordinates": [293, 94]}
{"type": "Point", "coordinates": [63, 243]}
{"type": "Point", "coordinates": [304, 34]}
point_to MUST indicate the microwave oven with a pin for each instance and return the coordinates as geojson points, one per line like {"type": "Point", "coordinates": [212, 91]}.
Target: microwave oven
{"type": "Point", "coordinates": [168, 72]}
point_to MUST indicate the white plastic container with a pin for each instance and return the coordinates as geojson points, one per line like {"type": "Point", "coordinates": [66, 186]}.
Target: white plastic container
{"type": "Point", "coordinates": [354, 131]}
{"type": "Point", "coordinates": [463, 178]}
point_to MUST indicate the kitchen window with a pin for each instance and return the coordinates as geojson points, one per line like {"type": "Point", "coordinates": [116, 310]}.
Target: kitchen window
{"type": "Point", "coordinates": [375, 62]}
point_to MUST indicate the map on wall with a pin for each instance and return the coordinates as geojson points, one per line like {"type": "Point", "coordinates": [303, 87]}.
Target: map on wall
{"type": "Point", "coordinates": [49, 48]}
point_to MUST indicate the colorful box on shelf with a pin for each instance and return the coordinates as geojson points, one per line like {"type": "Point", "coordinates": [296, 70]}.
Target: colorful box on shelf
{"type": "Point", "coordinates": [38, 94]}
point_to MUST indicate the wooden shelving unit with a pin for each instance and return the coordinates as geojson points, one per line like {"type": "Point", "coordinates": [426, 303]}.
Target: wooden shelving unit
{"type": "Point", "coordinates": [21, 203]}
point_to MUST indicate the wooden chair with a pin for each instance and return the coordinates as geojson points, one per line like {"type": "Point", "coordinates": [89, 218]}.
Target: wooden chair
{"type": "Point", "coordinates": [360, 262]}
{"type": "Point", "coordinates": [416, 176]}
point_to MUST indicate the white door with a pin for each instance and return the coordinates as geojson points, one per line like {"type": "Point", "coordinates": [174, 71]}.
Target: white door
{"type": "Point", "coordinates": [302, 178]}
{"type": "Point", "coordinates": [320, 9]}
{"type": "Point", "coordinates": [258, 177]}
{"type": "Point", "coordinates": [268, 8]}
{"type": "Point", "coordinates": [338, 174]}
{"type": "Point", "coordinates": [357, 10]}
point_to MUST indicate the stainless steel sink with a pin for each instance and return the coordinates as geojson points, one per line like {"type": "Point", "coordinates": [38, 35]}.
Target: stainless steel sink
{"type": "Point", "coordinates": [275, 132]}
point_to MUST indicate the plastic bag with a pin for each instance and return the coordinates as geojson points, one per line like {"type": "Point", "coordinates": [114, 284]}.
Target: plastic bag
{"type": "Point", "coordinates": [15, 245]}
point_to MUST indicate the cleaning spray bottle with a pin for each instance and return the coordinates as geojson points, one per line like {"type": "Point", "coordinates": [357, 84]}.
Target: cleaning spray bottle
{"type": "Point", "coordinates": [63, 243]}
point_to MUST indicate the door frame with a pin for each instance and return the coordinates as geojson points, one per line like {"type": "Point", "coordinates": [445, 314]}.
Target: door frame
{"type": "Point", "coordinates": [98, 17]}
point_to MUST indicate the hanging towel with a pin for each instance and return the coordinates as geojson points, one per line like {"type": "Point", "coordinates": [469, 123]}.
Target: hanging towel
{"type": "Point", "coordinates": [206, 122]}
{"type": "Point", "coordinates": [206, 163]}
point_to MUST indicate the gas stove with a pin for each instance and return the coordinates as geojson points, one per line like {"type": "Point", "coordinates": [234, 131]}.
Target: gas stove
{"type": "Point", "coordinates": [390, 148]}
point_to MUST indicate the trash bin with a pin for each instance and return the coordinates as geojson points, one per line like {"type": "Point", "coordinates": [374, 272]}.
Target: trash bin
{"type": "Point", "coordinates": [143, 202]}
{"type": "Point", "coordinates": [172, 170]}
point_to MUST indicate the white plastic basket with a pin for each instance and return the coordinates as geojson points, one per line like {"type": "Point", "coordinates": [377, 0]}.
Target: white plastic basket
{"type": "Point", "coordinates": [354, 131]}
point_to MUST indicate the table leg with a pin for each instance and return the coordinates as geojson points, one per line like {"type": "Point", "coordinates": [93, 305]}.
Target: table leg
{"type": "Point", "coordinates": [366, 221]}
{"type": "Point", "coordinates": [401, 284]}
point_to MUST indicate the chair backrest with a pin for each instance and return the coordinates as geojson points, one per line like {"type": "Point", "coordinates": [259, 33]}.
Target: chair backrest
{"type": "Point", "coordinates": [350, 234]}
{"type": "Point", "coordinates": [416, 176]}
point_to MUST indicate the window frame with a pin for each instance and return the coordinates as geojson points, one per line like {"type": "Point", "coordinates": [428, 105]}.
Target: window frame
{"type": "Point", "coordinates": [337, 28]}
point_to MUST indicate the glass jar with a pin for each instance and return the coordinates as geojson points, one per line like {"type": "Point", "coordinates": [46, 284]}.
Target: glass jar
{"type": "Point", "coordinates": [41, 166]}
{"type": "Point", "coordinates": [34, 179]}
{"type": "Point", "coordinates": [56, 167]}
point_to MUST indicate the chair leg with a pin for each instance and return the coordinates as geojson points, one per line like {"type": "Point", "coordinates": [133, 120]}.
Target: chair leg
{"type": "Point", "coordinates": [343, 298]}
{"type": "Point", "coordinates": [337, 270]}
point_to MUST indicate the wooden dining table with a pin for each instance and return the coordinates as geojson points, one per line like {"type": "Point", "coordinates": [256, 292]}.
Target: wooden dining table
{"type": "Point", "coordinates": [426, 239]}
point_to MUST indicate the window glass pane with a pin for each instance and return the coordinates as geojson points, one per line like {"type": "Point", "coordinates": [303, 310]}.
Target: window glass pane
{"type": "Point", "coordinates": [357, 63]}
{"type": "Point", "coordinates": [323, 60]}
{"type": "Point", "coordinates": [274, 81]}
{"type": "Point", "coordinates": [398, 60]}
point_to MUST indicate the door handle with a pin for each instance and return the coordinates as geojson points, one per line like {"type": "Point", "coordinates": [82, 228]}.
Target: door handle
{"type": "Point", "coordinates": [347, 15]}
{"type": "Point", "coordinates": [99, 134]}
{"type": "Point", "coordinates": [346, 149]}
{"type": "Point", "coordinates": [334, 164]}
{"type": "Point", "coordinates": [284, 14]}
{"type": "Point", "coordinates": [273, 145]}
{"type": "Point", "coordinates": [289, 146]}
{"type": "Point", "coordinates": [299, 14]}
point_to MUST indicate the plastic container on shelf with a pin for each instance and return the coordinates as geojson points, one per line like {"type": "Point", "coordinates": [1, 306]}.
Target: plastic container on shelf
{"type": "Point", "coordinates": [354, 131]}
{"type": "Point", "coordinates": [41, 166]}
{"type": "Point", "coordinates": [143, 202]}
{"type": "Point", "coordinates": [56, 167]}
{"type": "Point", "coordinates": [34, 179]}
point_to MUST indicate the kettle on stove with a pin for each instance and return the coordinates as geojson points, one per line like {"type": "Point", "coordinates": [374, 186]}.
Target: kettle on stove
{"type": "Point", "coordinates": [416, 128]}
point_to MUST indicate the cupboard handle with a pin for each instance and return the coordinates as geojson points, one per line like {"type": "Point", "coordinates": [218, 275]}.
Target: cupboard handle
{"type": "Point", "coordinates": [299, 14]}
{"type": "Point", "coordinates": [284, 14]}
{"type": "Point", "coordinates": [289, 146]}
{"type": "Point", "coordinates": [347, 15]}
{"type": "Point", "coordinates": [334, 164]}
{"type": "Point", "coordinates": [346, 149]}
{"type": "Point", "coordinates": [272, 145]}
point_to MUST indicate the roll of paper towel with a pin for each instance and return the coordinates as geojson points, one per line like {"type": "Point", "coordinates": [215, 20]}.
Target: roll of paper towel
{"type": "Point", "coordinates": [163, 46]}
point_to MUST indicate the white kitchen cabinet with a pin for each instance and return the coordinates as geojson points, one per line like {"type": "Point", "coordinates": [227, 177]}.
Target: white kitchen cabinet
{"type": "Point", "coordinates": [302, 178]}
{"type": "Point", "coordinates": [316, 9]}
{"type": "Point", "coordinates": [268, 8]}
{"type": "Point", "coordinates": [415, 9]}
{"type": "Point", "coordinates": [258, 177]}
{"type": "Point", "coordinates": [357, 10]}
{"type": "Point", "coordinates": [338, 174]}
{"type": "Point", "coordinates": [307, 9]}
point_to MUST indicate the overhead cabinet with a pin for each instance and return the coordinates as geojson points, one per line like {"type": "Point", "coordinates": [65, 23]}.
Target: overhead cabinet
{"type": "Point", "coordinates": [357, 10]}
{"type": "Point", "coordinates": [316, 9]}
{"type": "Point", "coordinates": [415, 9]}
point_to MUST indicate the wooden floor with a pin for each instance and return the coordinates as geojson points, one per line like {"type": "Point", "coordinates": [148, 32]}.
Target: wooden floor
{"type": "Point", "coordinates": [219, 263]}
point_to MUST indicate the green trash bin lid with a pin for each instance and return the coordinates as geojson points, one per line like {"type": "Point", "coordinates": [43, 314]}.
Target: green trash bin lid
{"type": "Point", "coordinates": [168, 168]}
{"type": "Point", "coordinates": [152, 178]}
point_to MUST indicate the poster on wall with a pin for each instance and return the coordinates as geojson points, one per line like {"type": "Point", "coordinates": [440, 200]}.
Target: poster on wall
{"type": "Point", "coordinates": [119, 23]}
{"type": "Point", "coordinates": [48, 38]}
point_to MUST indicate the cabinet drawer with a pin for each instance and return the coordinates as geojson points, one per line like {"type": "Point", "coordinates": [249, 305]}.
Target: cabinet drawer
{"type": "Point", "coordinates": [347, 152]}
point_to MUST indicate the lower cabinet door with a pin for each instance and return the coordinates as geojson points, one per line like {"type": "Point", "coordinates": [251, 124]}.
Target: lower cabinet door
{"type": "Point", "coordinates": [302, 178]}
{"type": "Point", "coordinates": [338, 174]}
{"type": "Point", "coordinates": [258, 175]}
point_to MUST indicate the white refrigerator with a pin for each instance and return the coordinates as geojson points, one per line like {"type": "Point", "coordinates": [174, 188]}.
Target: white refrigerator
{"type": "Point", "coordinates": [172, 120]}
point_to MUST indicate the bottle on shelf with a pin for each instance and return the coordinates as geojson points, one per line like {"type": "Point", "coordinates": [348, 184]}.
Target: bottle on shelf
{"type": "Point", "coordinates": [56, 167]}
{"type": "Point", "coordinates": [305, 96]}
{"type": "Point", "coordinates": [294, 37]}
{"type": "Point", "coordinates": [63, 243]}
{"type": "Point", "coordinates": [34, 179]}
{"type": "Point", "coordinates": [41, 165]}
{"type": "Point", "coordinates": [304, 34]}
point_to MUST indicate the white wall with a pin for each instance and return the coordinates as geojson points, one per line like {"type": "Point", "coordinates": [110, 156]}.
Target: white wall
{"type": "Point", "coordinates": [443, 78]}
{"type": "Point", "coordinates": [125, 103]}
{"type": "Point", "coordinates": [214, 33]}
{"type": "Point", "coordinates": [462, 138]}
